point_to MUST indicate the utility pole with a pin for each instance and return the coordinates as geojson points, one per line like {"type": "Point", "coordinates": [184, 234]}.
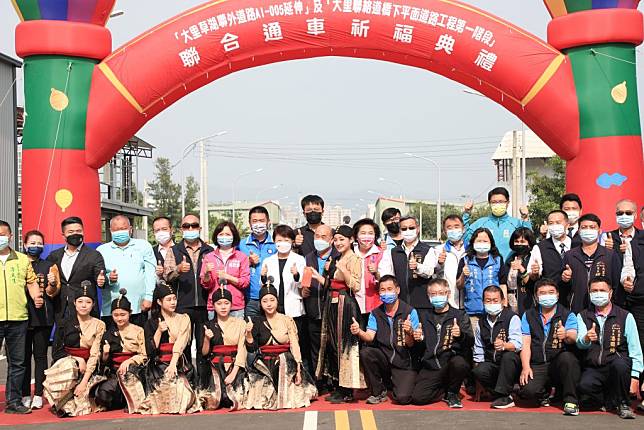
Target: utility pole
{"type": "Point", "coordinates": [516, 174]}
{"type": "Point", "coordinates": [203, 205]}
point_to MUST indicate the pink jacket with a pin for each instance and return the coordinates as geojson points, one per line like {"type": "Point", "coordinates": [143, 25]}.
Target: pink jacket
{"type": "Point", "coordinates": [236, 265]}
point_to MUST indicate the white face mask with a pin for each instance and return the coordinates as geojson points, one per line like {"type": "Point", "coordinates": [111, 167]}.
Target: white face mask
{"type": "Point", "coordinates": [259, 228]}
{"type": "Point", "coordinates": [573, 216]}
{"type": "Point", "coordinates": [556, 230]}
{"type": "Point", "coordinates": [409, 235]}
{"type": "Point", "coordinates": [162, 237]}
{"type": "Point", "coordinates": [283, 247]}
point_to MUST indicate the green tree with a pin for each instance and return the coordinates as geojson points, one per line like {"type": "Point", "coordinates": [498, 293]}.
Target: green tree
{"type": "Point", "coordinates": [545, 191]}
{"type": "Point", "coordinates": [166, 194]}
{"type": "Point", "coordinates": [191, 201]}
{"type": "Point", "coordinates": [429, 216]}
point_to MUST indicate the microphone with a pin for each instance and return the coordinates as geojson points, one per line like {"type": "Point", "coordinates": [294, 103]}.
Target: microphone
{"type": "Point", "coordinates": [270, 280]}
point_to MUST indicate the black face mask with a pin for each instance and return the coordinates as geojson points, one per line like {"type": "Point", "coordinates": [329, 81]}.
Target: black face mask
{"type": "Point", "coordinates": [313, 217]}
{"type": "Point", "coordinates": [74, 239]}
{"type": "Point", "coordinates": [521, 249]}
{"type": "Point", "coordinates": [393, 228]}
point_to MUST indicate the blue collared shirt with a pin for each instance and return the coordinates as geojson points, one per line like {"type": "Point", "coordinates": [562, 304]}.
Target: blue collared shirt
{"type": "Point", "coordinates": [514, 337]}
{"type": "Point", "coordinates": [264, 249]}
{"type": "Point", "coordinates": [135, 266]}
{"type": "Point", "coordinates": [571, 323]}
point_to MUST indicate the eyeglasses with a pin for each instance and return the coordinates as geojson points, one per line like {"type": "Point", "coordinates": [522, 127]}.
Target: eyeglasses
{"type": "Point", "coordinates": [407, 228]}
{"type": "Point", "coordinates": [188, 226]}
{"type": "Point", "coordinates": [392, 220]}
{"type": "Point", "coordinates": [620, 213]}
{"type": "Point", "coordinates": [498, 202]}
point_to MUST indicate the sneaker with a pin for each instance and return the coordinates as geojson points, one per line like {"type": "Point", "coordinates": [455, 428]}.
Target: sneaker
{"type": "Point", "coordinates": [453, 401]}
{"type": "Point", "coordinates": [625, 412]}
{"type": "Point", "coordinates": [503, 403]}
{"type": "Point", "coordinates": [17, 409]}
{"type": "Point", "coordinates": [26, 402]}
{"type": "Point", "coordinates": [376, 400]}
{"type": "Point", "coordinates": [545, 402]}
{"type": "Point", "coordinates": [334, 396]}
{"type": "Point", "coordinates": [36, 403]}
{"type": "Point", "coordinates": [571, 409]}
{"type": "Point", "coordinates": [342, 398]}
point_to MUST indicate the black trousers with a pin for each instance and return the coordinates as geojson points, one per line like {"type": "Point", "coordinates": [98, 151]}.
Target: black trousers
{"type": "Point", "coordinates": [607, 385]}
{"type": "Point", "coordinates": [198, 318]}
{"type": "Point", "coordinates": [315, 333]}
{"type": "Point", "coordinates": [303, 335]}
{"type": "Point", "coordinates": [432, 384]}
{"type": "Point", "coordinates": [378, 372]}
{"type": "Point", "coordinates": [500, 377]}
{"type": "Point", "coordinates": [563, 372]}
{"type": "Point", "coordinates": [109, 395]}
{"type": "Point", "coordinates": [137, 319]}
{"type": "Point", "coordinates": [36, 345]}
{"type": "Point", "coordinates": [637, 309]}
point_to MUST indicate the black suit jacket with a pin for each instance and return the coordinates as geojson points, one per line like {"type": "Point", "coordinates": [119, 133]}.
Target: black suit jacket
{"type": "Point", "coordinates": [87, 267]}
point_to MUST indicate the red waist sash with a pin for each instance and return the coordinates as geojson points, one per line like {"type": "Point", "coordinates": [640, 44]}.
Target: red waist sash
{"type": "Point", "coordinates": [119, 358]}
{"type": "Point", "coordinates": [166, 352]}
{"type": "Point", "coordinates": [271, 352]}
{"type": "Point", "coordinates": [337, 287]}
{"type": "Point", "coordinates": [78, 352]}
{"type": "Point", "coordinates": [225, 352]}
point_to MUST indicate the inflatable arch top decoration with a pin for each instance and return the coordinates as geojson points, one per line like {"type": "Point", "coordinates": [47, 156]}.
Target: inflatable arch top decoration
{"type": "Point", "coordinates": [578, 91]}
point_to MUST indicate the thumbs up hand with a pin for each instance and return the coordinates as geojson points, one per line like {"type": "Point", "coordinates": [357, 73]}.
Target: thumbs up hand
{"type": "Point", "coordinates": [264, 271]}
{"type": "Point", "coordinates": [100, 279]}
{"type": "Point", "coordinates": [418, 333]}
{"type": "Point", "coordinates": [114, 277]}
{"type": "Point", "coordinates": [106, 347]}
{"type": "Point", "coordinates": [534, 269]}
{"type": "Point", "coordinates": [184, 266]}
{"type": "Point", "coordinates": [355, 327]}
{"type": "Point", "coordinates": [39, 301]}
{"type": "Point", "coordinates": [591, 335]}
{"type": "Point", "coordinates": [629, 285]}
{"type": "Point", "coordinates": [523, 210]}
{"type": "Point", "coordinates": [517, 265]}
{"type": "Point", "coordinates": [623, 246]}
{"type": "Point", "coordinates": [51, 277]}
{"type": "Point", "coordinates": [442, 257]}
{"type": "Point", "coordinates": [253, 258]}
{"type": "Point", "coordinates": [299, 238]}
{"type": "Point", "coordinates": [159, 269]}
{"type": "Point", "coordinates": [566, 275]}
{"type": "Point", "coordinates": [163, 326]}
{"type": "Point", "coordinates": [456, 330]}
{"type": "Point", "coordinates": [466, 270]}
{"type": "Point", "coordinates": [499, 345]}
{"type": "Point", "coordinates": [407, 325]}
{"type": "Point", "coordinates": [468, 206]}
{"type": "Point", "coordinates": [294, 269]}
{"type": "Point", "coordinates": [249, 326]}
{"type": "Point", "coordinates": [608, 242]}
{"type": "Point", "coordinates": [208, 333]}
{"type": "Point", "coordinates": [561, 331]}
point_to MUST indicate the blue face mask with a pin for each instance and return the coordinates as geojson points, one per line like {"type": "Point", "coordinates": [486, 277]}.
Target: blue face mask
{"type": "Point", "coordinates": [4, 242]}
{"type": "Point", "coordinates": [438, 302]}
{"type": "Point", "coordinates": [225, 240]}
{"type": "Point", "coordinates": [625, 221]}
{"type": "Point", "coordinates": [454, 235]}
{"type": "Point", "coordinates": [588, 235]}
{"type": "Point", "coordinates": [190, 234]}
{"type": "Point", "coordinates": [493, 308]}
{"type": "Point", "coordinates": [34, 251]}
{"type": "Point", "coordinates": [388, 298]}
{"type": "Point", "coordinates": [321, 245]}
{"type": "Point", "coordinates": [548, 300]}
{"type": "Point", "coordinates": [599, 298]}
{"type": "Point", "coordinates": [121, 236]}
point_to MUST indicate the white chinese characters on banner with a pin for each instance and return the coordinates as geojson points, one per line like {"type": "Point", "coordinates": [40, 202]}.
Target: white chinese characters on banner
{"type": "Point", "coordinates": [230, 42]}
{"type": "Point", "coordinates": [360, 28]}
{"type": "Point", "coordinates": [445, 43]}
{"type": "Point", "coordinates": [486, 60]}
{"type": "Point", "coordinates": [272, 31]}
{"type": "Point", "coordinates": [403, 33]}
{"type": "Point", "coordinates": [189, 57]}
{"type": "Point", "coordinates": [315, 26]}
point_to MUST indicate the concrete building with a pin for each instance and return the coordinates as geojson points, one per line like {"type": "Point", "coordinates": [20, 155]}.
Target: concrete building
{"type": "Point", "coordinates": [9, 143]}
{"type": "Point", "coordinates": [335, 216]}
{"type": "Point", "coordinates": [224, 210]}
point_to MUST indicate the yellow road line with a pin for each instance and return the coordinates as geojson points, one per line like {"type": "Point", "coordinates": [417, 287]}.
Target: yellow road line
{"type": "Point", "coordinates": [342, 420]}
{"type": "Point", "coordinates": [368, 420]}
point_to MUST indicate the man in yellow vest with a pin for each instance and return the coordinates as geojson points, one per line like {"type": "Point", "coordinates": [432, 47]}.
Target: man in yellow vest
{"type": "Point", "coordinates": [17, 277]}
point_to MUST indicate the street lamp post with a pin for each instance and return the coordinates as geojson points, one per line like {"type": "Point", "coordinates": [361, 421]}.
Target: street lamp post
{"type": "Point", "coordinates": [438, 203]}
{"type": "Point", "coordinates": [381, 179]}
{"type": "Point", "coordinates": [241, 175]}
{"type": "Point", "coordinates": [260, 193]}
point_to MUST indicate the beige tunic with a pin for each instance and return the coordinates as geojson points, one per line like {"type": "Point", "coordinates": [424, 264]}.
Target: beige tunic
{"type": "Point", "coordinates": [234, 333]}
{"type": "Point", "coordinates": [90, 338]}
{"type": "Point", "coordinates": [133, 341]}
{"type": "Point", "coordinates": [353, 264]}
{"type": "Point", "coordinates": [178, 332]}
{"type": "Point", "coordinates": [284, 330]}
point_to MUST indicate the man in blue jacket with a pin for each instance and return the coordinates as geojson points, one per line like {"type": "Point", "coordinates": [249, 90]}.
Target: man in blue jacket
{"type": "Point", "coordinates": [499, 223]}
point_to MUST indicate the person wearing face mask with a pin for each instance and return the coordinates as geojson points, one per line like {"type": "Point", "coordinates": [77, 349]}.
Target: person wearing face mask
{"type": "Point", "coordinates": [497, 344]}
{"type": "Point", "coordinates": [499, 223]}
{"type": "Point", "coordinates": [41, 320]}
{"type": "Point", "coordinates": [571, 205]}
{"type": "Point", "coordinates": [619, 239]}
{"type": "Point", "coordinates": [546, 258]}
{"type": "Point", "coordinates": [164, 237]}
{"type": "Point", "coordinates": [391, 220]}
{"type": "Point", "coordinates": [258, 246]}
{"type": "Point", "coordinates": [520, 286]}
{"type": "Point", "coordinates": [588, 259]}
{"type": "Point", "coordinates": [319, 262]}
{"type": "Point", "coordinates": [388, 358]}
{"type": "Point", "coordinates": [313, 210]}
{"type": "Point", "coordinates": [367, 232]}
{"type": "Point", "coordinates": [445, 341]}
{"type": "Point", "coordinates": [182, 273]}
{"type": "Point", "coordinates": [129, 263]}
{"type": "Point", "coordinates": [18, 281]}
{"type": "Point", "coordinates": [449, 255]}
{"type": "Point", "coordinates": [548, 355]}
{"type": "Point", "coordinates": [412, 263]}
{"type": "Point", "coordinates": [481, 267]}
{"type": "Point", "coordinates": [226, 267]}
{"type": "Point", "coordinates": [612, 359]}
{"type": "Point", "coordinates": [76, 263]}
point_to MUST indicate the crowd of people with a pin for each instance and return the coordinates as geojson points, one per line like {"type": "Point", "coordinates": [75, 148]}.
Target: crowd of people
{"type": "Point", "coordinates": [500, 311]}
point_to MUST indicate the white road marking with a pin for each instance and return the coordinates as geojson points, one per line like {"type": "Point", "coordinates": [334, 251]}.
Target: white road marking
{"type": "Point", "coordinates": [310, 420]}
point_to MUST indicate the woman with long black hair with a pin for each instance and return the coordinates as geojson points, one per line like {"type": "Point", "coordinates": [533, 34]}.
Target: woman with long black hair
{"type": "Point", "coordinates": [521, 295]}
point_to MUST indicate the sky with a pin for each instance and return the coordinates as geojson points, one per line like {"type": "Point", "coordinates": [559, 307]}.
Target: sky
{"type": "Point", "coordinates": [307, 109]}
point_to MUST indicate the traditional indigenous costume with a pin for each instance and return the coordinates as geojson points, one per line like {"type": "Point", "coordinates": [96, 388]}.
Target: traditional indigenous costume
{"type": "Point", "coordinates": [164, 394]}
{"type": "Point", "coordinates": [277, 357]}
{"type": "Point", "coordinates": [339, 356]}
{"type": "Point", "coordinates": [227, 350]}
{"type": "Point", "coordinates": [126, 345]}
{"type": "Point", "coordinates": [75, 342]}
